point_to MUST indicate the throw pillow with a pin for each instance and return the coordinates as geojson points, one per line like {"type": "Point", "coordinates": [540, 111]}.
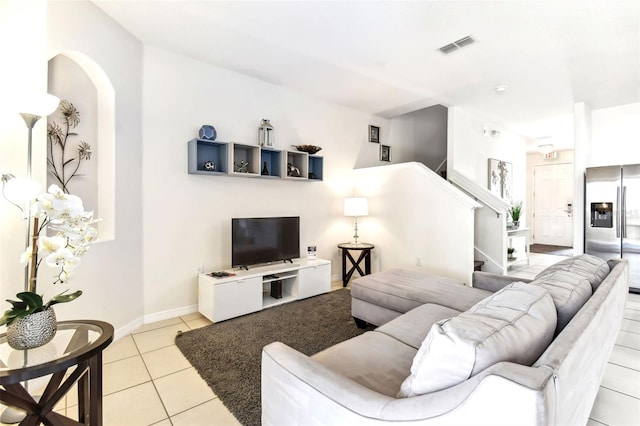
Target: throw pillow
{"type": "Point", "coordinates": [569, 292]}
{"type": "Point", "coordinates": [515, 324]}
{"type": "Point", "coordinates": [587, 266]}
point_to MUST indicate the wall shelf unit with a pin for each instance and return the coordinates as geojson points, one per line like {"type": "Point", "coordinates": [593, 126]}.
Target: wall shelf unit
{"type": "Point", "coordinates": [228, 156]}
{"type": "Point", "coordinates": [201, 151]}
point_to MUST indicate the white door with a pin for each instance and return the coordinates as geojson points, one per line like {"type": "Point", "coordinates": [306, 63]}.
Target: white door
{"type": "Point", "coordinates": [553, 195]}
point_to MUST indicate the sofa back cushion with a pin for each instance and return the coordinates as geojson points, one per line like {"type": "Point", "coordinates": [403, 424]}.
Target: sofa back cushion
{"type": "Point", "coordinates": [587, 266]}
{"type": "Point", "coordinates": [569, 292]}
{"type": "Point", "coordinates": [515, 324]}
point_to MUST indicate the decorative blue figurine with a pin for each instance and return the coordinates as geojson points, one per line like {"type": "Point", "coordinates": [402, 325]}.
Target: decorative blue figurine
{"type": "Point", "coordinates": [208, 132]}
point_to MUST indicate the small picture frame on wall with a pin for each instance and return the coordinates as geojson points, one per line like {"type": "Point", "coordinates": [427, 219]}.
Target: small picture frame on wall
{"type": "Point", "coordinates": [374, 134]}
{"type": "Point", "coordinates": [385, 153]}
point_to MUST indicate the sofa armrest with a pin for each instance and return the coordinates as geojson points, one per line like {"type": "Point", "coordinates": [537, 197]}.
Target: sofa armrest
{"type": "Point", "coordinates": [297, 390]}
{"type": "Point", "coordinates": [493, 282]}
{"type": "Point", "coordinates": [321, 392]}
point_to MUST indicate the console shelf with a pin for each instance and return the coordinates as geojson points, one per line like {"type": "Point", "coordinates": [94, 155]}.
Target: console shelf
{"type": "Point", "coordinates": [250, 291]}
{"type": "Point", "coordinates": [264, 163]}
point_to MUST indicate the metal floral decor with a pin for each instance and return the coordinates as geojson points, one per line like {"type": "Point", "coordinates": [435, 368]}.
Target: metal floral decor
{"type": "Point", "coordinates": [63, 155]}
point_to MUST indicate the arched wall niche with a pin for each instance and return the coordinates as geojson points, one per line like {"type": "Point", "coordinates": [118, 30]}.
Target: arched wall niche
{"type": "Point", "coordinates": [99, 105]}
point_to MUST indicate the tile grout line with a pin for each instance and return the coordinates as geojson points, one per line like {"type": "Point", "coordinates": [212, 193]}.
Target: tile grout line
{"type": "Point", "coordinates": [623, 366]}
{"type": "Point", "coordinates": [155, 388]}
{"type": "Point", "coordinates": [621, 393]}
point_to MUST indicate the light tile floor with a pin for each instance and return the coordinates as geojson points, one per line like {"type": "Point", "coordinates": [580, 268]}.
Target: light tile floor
{"type": "Point", "coordinates": [147, 380]}
{"type": "Point", "coordinates": [618, 401]}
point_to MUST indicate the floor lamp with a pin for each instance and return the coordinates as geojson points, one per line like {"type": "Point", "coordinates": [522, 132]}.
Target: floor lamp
{"type": "Point", "coordinates": [355, 207]}
{"type": "Point", "coordinates": [38, 107]}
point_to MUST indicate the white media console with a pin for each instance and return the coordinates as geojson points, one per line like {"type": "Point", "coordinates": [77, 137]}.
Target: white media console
{"type": "Point", "coordinates": [250, 291]}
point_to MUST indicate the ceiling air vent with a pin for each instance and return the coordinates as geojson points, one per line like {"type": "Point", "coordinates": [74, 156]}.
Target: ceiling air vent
{"type": "Point", "coordinates": [448, 48]}
{"type": "Point", "coordinates": [464, 41]}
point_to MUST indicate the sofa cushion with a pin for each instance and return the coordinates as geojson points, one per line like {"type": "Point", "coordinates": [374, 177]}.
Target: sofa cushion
{"type": "Point", "coordinates": [569, 292]}
{"type": "Point", "coordinates": [402, 290]}
{"type": "Point", "coordinates": [587, 266]}
{"type": "Point", "coordinates": [374, 360]}
{"type": "Point", "coordinates": [515, 324]}
{"type": "Point", "coordinates": [412, 327]}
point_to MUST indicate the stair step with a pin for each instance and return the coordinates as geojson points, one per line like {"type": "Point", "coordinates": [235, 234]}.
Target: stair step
{"type": "Point", "coordinates": [477, 265]}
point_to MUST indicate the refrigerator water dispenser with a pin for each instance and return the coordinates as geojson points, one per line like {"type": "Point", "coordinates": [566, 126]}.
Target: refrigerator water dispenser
{"type": "Point", "coordinates": [602, 215]}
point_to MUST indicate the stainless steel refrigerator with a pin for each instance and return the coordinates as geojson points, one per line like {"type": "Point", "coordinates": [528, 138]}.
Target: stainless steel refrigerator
{"type": "Point", "coordinates": [612, 216]}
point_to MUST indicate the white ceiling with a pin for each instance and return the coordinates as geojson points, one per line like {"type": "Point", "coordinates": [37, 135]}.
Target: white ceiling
{"type": "Point", "coordinates": [381, 57]}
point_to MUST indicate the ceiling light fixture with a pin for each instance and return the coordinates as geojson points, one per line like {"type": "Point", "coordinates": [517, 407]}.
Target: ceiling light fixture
{"type": "Point", "coordinates": [501, 88]}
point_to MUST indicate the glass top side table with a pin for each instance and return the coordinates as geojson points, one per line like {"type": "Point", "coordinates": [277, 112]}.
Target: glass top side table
{"type": "Point", "coordinates": [77, 347]}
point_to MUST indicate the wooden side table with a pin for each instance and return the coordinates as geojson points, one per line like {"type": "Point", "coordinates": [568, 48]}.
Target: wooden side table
{"type": "Point", "coordinates": [77, 344]}
{"type": "Point", "coordinates": [365, 254]}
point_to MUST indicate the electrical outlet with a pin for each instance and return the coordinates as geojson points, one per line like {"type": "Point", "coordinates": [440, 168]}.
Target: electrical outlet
{"type": "Point", "coordinates": [418, 261]}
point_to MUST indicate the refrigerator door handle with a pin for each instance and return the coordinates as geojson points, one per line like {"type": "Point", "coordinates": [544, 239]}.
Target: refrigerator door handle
{"type": "Point", "coordinates": [623, 214]}
{"type": "Point", "coordinates": [618, 213]}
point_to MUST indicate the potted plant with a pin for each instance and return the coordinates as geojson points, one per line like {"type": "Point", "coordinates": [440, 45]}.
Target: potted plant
{"type": "Point", "coordinates": [69, 238]}
{"type": "Point", "coordinates": [510, 251]}
{"type": "Point", "coordinates": [516, 211]}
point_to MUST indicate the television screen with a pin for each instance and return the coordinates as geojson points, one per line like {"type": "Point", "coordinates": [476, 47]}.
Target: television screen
{"type": "Point", "coordinates": [264, 240]}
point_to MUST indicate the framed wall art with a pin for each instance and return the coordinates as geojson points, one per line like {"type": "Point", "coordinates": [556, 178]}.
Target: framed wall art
{"type": "Point", "coordinates": [374, 134]}
{"type": "Point", "coordinates": [385, 153]}
{"type": "Point", "coordinates": [500, 178]}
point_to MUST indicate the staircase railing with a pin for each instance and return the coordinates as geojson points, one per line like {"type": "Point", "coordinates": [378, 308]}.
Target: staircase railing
{"type": "Point", "coordinates": [490, 230]}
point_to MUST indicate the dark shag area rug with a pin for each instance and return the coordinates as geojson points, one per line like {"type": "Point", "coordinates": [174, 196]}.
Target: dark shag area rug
{"type": "Point", "coordinates": [228, 354]}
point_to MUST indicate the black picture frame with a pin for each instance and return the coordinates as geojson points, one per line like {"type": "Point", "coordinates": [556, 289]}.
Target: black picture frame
{"type": "Point", "coordinates": [374, 134]}
{"type": "Point", "coordinates": [385, 153]}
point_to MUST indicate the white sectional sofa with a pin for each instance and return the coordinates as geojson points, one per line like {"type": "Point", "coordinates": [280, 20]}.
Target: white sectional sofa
{"type": "Point", "coordinates": [445, 353]}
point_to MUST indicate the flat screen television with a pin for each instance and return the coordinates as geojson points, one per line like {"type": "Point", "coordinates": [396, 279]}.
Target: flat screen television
{"type": "Point", "coordinates": [264, 239]}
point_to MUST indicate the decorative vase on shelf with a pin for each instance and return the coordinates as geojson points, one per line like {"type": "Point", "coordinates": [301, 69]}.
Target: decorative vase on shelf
{"type": "Point", "coordinates": [208, 132]}
{"type": "Point", "coordinates": [516, 224]}
{"type": "Point", "coordinates": [32, 331]}
{"type": "Point", "coordinates": [265, 170]}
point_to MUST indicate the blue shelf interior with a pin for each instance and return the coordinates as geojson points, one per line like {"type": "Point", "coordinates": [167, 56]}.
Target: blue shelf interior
{"type": "Point", "coordinates": [214, 152]}
{"type": "Point", "coordinates": [273, 162]}
{"type": "Point", "coordinates": [315, 168]}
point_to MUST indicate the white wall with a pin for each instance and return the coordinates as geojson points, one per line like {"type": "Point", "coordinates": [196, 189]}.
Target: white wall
{"type": "Point", "coordinates": [615, 135]}
{"type": "Point", "coordinates": [111, 273]}
{"type": "Point", "coordinates": [23, 70]}
{"type": "Point", "coordinates": [188, 217]}
{"type": "Point", "coordinates": [469, 151]}
{"type": "Point", "coordinates": [414, 213]}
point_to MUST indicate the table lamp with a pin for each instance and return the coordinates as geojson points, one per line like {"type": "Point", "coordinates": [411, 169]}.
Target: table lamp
{"type": "Point", "coordinates": [355, 207]}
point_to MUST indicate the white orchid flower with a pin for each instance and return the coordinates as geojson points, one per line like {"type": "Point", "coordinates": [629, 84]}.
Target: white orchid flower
{"type": "Point", "coordinates": [51, 244]}
{"type": "Point", "coordinates": [26, 256]}
{"type": "Point", "coordinates": [64, 233]}
{"type": "Point", "coordinates": [60, 257]}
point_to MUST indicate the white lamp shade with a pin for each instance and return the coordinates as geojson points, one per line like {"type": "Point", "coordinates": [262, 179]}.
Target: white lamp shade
{"type": "Point", "coordinates": [40, 104]}
{"type": "Point", "coordinates": [20, 190]}
{"type": "Point", "coordinates": [356, 206]}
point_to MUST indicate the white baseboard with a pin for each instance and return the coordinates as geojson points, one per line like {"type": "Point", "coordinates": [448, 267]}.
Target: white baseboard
{"type": "Point", "coordinates": [171, 313]}
{"type": "Point", "coordinates": [150, 318]}
{"type": "Point", "coordinates": [129, 328]}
